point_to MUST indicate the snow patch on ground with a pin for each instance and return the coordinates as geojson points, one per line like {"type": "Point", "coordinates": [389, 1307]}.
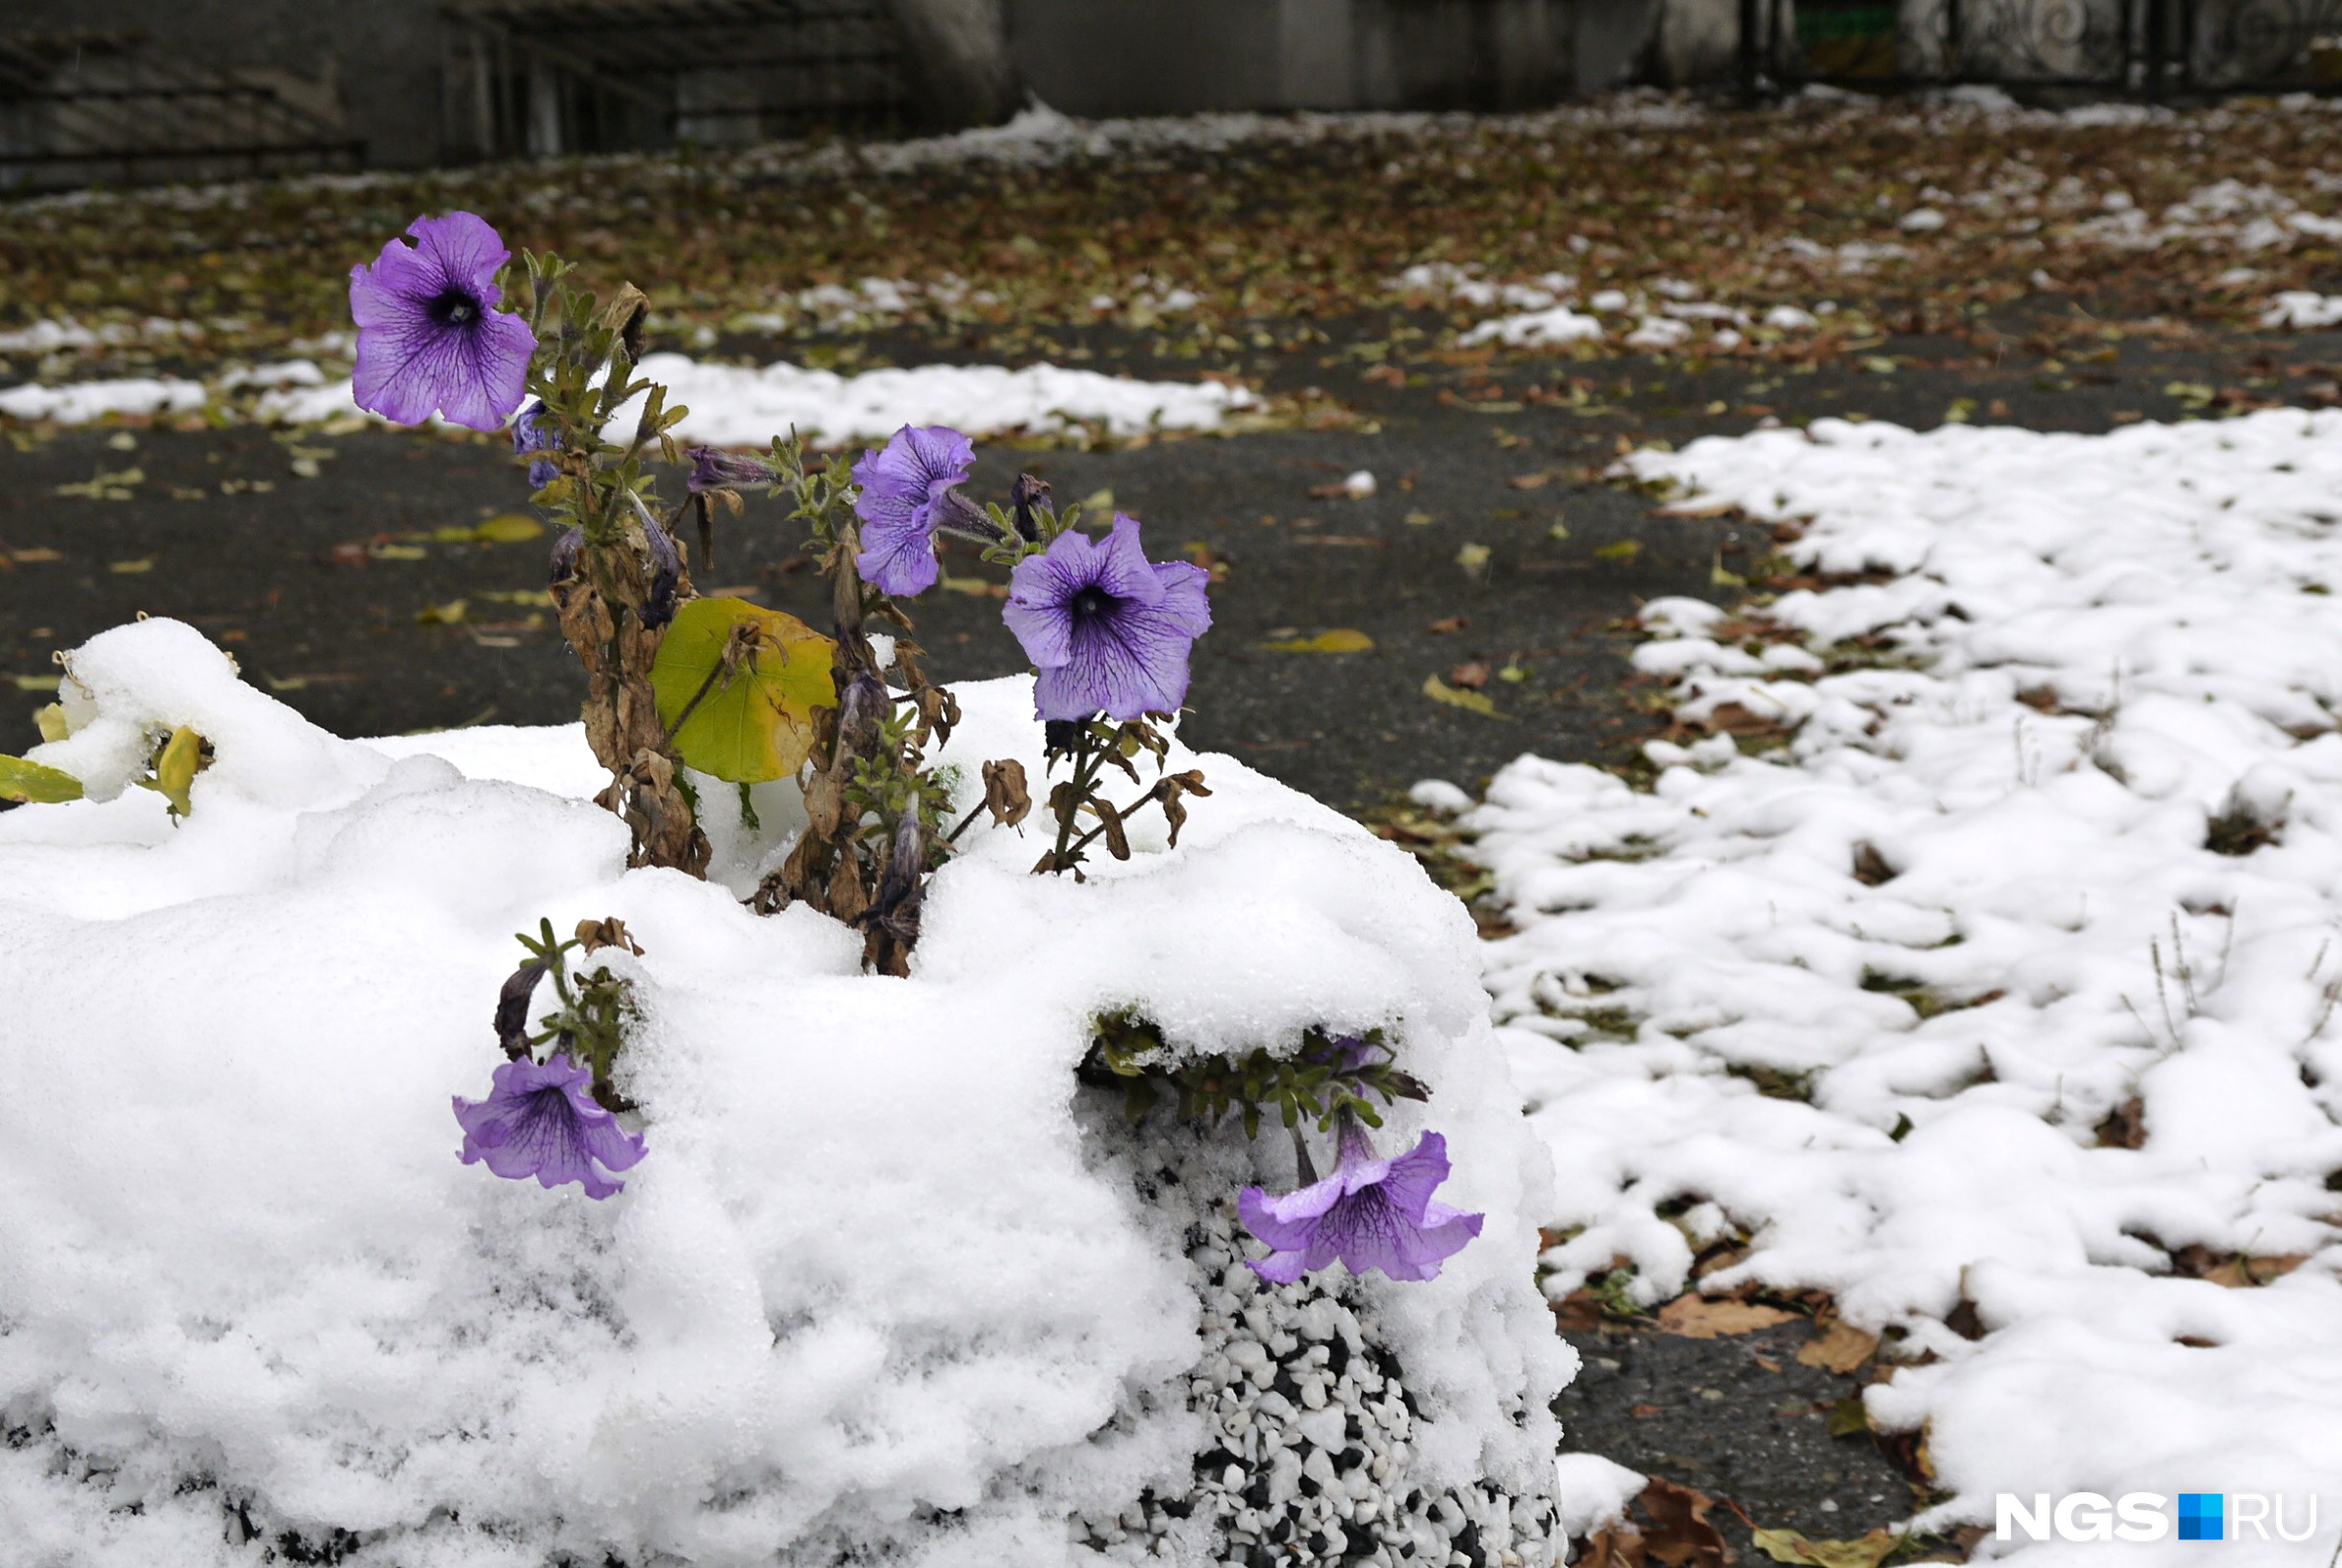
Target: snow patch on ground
{"type": "Point", "coordinates": [2053, 851]}
{"type": "Point", "coordinates": [870, 1270]}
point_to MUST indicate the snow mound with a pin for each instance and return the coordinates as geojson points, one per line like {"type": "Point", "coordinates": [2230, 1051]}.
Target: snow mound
{"type": "Point", "coordinates": [86, 402]}
{"type": "Point", "coordinates": [740, 405]}
{"type": "Point", "coordinates": [1560, 324]}
{"type": "Point", "coordinates": [875, 1293]}
{"type": "Point", "coordinates": [2010, 977]}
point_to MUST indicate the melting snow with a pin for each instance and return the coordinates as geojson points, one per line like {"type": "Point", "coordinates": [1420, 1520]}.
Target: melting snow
{"type": "Point", "coordinates": [2054, 851]}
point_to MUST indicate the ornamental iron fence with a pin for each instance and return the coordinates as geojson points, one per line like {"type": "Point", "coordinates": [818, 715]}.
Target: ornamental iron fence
{"type": "Point", "coordinates": [537, 77]}
{"type": "Point", "coordinates": [2146, 47]}
{"type": "Point", "coordinates": [81, 107]}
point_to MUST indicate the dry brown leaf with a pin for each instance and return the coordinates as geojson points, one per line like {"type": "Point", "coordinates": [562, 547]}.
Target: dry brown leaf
{"type": "Point", "coordinates": [1618, 1547]}
{"type": "Point", "coordinates": [1682, 1537]}
{"type": "Point", "coordinates": [1840, 1348]}
{"type": "Point", "coordinates": [1787, 1545]}
{"type": "Point", "coordinates": [1699, 1318]}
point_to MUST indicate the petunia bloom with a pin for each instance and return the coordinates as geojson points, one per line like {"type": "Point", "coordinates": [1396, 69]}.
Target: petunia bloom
{"type": "Point", "coordinates": [429, 333]}
{"type": "Point", "coordinates": [1370, 1214]}
{"type": "Point", "coordinates": [529, 433]}
{"type": "Point", "coordinates": [542, 1121]}
{"type": "Point", "coordinates": [904, 486]}
{"type": "Point", "coordinates": [1108, 630]}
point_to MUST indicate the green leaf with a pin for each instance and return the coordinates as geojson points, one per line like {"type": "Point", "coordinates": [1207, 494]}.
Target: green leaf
{"type": "Point", "coordinates": [21, 780]}
{"type": "Point", "coordinates": [738, 685]}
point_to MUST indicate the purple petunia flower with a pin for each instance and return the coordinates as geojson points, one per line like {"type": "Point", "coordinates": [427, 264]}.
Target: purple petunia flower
{"type": "Point", "coordinates": [1109, 630]}
{"type": "Point", "coordinates": [428, 335]}
{"type": "Point", "coordinates": [713, 467]}
{"type": "Point", "coordinates": [529, 433]}
{"type": "Point", "coordinates": [1370, 1214]}
{"type": "Point", "coordinates": [542, 1122]}
{"type": "Point", "coordinates": [901, 488]}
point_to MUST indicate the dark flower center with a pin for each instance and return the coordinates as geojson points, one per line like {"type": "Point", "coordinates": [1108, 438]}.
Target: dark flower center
{"type": "Point", "coordinates": [454, 308]}
{"type": "Point", "coordinates": [1090, 604]}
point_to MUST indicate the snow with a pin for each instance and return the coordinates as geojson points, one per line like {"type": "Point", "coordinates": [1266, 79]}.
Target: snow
{"type": "Point", "coordinates": [876, 1264]}
{"type": "Point", "coordinates": [734, 406]}
{"type": "Point", "coordinates": [83, 402]}
{"type": "Point", "coordinates": [1560, 324]}
{"type": "Point", "coordinates": [2082, 653]}
{"type": "Point", "coordinates": [2302, 308]}
{"type": "Point", "coordinates": [738, 406]}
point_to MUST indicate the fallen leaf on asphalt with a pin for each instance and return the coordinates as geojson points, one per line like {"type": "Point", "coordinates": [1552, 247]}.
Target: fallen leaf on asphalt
{"type": "Point", "coordinates": [1848, 1418]}
{"type": "Point", "coordinates": [451, 614]}
{"type": "Point", "coordinates": [1787, 1545]}
{"type": "Point", "coordinates": [1618, 1547]}
{"type": "Point", "coordinates": [1470, 677]}
{"type": "Point", "coordinates": [508, 528]}
{"type": "Point", "coordinates": [38, 682]}
{"type": "Point", "coordinates": [1624, 550]}
{"type": "Point", "coordinates": [131, 568]}
{"type": "Point", "coordinates": [1447, 624]}
{"type": "Point", "coordinates": [1699, 1318]}
{"type": "Point", "coordinates": [24, 557]}
{"type": "Point", "coordinates": [1683, 1537]}
{"type": "Point", "coordinates": [1840, 1348]}
{"type": "Point", "coordinates": [1440, 691]}
{"type": "Point", "coordinates": [2240, 1274]}
{"type": "Point", "coordinates": [1472, 557]}
{"type": "Point", "coordinates": [1341, 640]}
{"type": "Point", "coordinates": [1537, 481]}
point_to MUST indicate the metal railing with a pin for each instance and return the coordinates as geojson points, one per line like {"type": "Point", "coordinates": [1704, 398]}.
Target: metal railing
{"type": "Point", "coordinates": [81, 109]}
{"type": "Point", "coordinates": [2145, 47]}
{"type": "Point", "coordinates": [542, 76]}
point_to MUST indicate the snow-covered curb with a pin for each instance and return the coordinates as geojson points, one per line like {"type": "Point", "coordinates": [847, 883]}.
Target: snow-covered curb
{"type": "Point", "coordinates": [1891, 998]}
{"type": "Point", "coordinates": [729, 405]}
{"type": "Point", "coordinates": [873, 1289]}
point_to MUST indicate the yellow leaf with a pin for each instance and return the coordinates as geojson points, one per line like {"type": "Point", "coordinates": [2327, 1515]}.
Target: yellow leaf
{"type": "Point", "coordinates": [1699, 1318]}
{"type": "Point", "coordinates": [38, 682]}
{"type": "Point", "coordinates": [1420, 519]}
{"type": "Point", "coordinates": [1840, 1348]}
{"type": "Point", "coordinates": [1472, 557]}
{"type": "Point", "coordinates": [736, 685]}
{"type": "Point", "coordinates": [1101, 500]}
{"type": "Point", "coordinates": [1787, 1545]}
{"type": "Point", "coordinates": [1623, 549]}
{"type": "Point", "coordinates": [1341, 640]}
{"type": "Point", "coordinates": [176, 767]}
{"type": "Point", "coordinates": [447, 615]}
{"type": "Point", "coordinates": [51, 720]}
{"type": "Point", "coordinates": [508, 528]}
{"type": "Point", "coordinates": [36, 782]}
{"type": "Point", "coordinates": [129, 567]}
{"type": "Point", "coordinates": [977, 587]}
{"type": "Point", "coordinates": [398, 552]}
{"type": "Point", "coordinates": [1440, 691]}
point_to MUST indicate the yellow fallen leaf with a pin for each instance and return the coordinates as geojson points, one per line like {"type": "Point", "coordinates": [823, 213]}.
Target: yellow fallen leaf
{"type": "Point", "coordinates": [1440, 691]}
{"type": "Point", "coordinates": [38, 682]}
{"type": "Point", "coordinates": [508, 528]}
{"type": "Point", "coordinates": [1341, 640]}
{"type": "Point", "coordinates": [1840, 1348]}
{"type": "Point", "coordinates": [737, 687]}
{"type": "Point", "coordinates": [976, 587]}
{"type": "Point", "coordinates": [451, 614]}
{"type": "Point", "coordinates": [398, 552]}
{"type": "Point", "coordinates": [1099, 501]}
{"type": "Point", "coordinates": [36, 782]}
{"type": "Point", "coordinates": [1787, 1545]}
{"type": "Point", "coordinates": [1623, 549]}
{"type": "Point", "coordinates": [1472, 557]}
{"type": "Point", "coordinates": [131, 567]}
{"type": "Point", "coordinates": [1420, 519]}
{"type": "Point", "coordinates": [1700, 1317]}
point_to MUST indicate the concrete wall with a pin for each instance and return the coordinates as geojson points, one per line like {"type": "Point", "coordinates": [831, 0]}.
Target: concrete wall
{"type": "Point", "coordinates": [380, 58]}
{"type": "Point", "coordinates": [1118, 58]}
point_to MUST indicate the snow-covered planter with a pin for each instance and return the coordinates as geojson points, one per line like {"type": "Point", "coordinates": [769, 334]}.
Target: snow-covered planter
{"type": "Point", "coordinates": [872, 1190]}
{"type": "Point", "coordinates": [889, 1280]}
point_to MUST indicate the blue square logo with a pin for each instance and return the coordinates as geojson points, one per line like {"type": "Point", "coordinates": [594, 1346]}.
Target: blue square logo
{"type": "Point", "coordinates": [2200, 1515]}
